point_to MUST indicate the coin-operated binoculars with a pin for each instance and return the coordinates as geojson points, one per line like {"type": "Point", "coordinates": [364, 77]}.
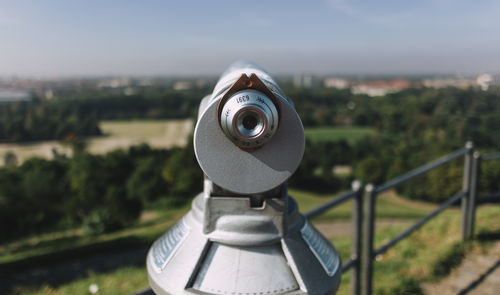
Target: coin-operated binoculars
{"type": "Point", "coordinates": [244, 234]}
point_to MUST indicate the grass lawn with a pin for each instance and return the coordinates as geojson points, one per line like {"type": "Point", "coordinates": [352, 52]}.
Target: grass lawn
{"type": "Point", "coordinates": [143, 128]}
{"type": "Point", "coordinates": [127, 280]}
{"type": "Point", "coordinates": [53, 247]}
{"type": "Point", "coordinates": [427, 254]}
{"type": "Point", "coordinates": [118, 134]}
{"type": "Point", "coordinates": [351, 134]}
{"type": "Point", "coordinates": [386, 207]}
{"type": "Point", "coordinates": [156, 133]}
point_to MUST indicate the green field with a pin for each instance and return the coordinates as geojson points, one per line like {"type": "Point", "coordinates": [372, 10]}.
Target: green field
{"type": "Point", "coordinates": [387, 206]}
{"type": "Point", "coordinates": [58, 246]}
{"type": "Point", "coordinates": [136, 128]}
{"type": "Point", "coordinates": [126, 280]}
{"type": "Point", "coordinates": [350, 134]}
{"type": "Point", "coordinates": [158, 134]}
{"type": "Point", "coordinates": [117, 135]}
{"type": "Point", "coordinates": [171, 130]}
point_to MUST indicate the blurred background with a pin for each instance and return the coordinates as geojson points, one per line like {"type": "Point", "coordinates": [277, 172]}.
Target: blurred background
{"type": "Point", "coordinates": [98, 101]}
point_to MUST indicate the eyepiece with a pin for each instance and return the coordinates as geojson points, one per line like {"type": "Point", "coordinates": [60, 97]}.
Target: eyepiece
{"type": "Point", "coordinates": [250, 123]}
{"type": "Point", "coordinates": [249, 118]}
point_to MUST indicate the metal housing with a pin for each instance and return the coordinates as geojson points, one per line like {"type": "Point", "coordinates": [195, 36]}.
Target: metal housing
{"type": "Point", "coordinates": [226, 246]}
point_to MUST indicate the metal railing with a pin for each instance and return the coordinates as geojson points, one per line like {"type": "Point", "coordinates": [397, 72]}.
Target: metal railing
{"type": "Point", "coordinates": [477, 159]}
{"type": "Point", "coordinates": [369, 253]}
{"type": "Point", "coordinates": [363, 252]}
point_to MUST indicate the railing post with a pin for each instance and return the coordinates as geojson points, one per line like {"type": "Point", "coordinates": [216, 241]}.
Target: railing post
{"type": "Point", "coordinates": [466, 189]}
{"type": "Point", "coordinates": [474, 187]}
{"type": "Point", "coordinates": [367, 244]}
{"type": "Point", "coordinates": [357, 214]}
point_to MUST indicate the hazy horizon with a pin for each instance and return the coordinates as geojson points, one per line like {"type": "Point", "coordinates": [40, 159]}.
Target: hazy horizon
{"type": "Point", "coordinates": [197, 38]}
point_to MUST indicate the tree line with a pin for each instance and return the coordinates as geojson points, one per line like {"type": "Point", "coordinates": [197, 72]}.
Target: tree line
{"type": "Point", "coordinates": [413, 127]}
{"type": "Point", "coordinates": [447, 114]}
{"type": "Point", "coordinates": [106, 192]}
{"type": "Point", "coordinates": [96, 192]}
{"type": "Point", "coordinates": [77, 114]}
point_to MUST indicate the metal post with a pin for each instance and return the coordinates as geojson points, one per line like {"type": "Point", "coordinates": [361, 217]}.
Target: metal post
{"type": "Point", "coordinates": [368, 233]}
{"type": "Point", "coordinates": [357, 214]}
{"type": "Point", "coordinates": [474, 187]}
{"type": "Point", "coordinates": [466, 189]}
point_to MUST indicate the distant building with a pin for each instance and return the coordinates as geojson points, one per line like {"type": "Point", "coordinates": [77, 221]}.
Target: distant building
{"type": "Point", "coordinates": [462, 83]}
{"type": "Point", "coordinates": [183, 85]}
{"type": "Point", "coordinates": [303, 81]}
{"type": "Point", "coordinates": [12, 96]}
{"type": "Point", "coordinates": [336, 83]}
{"type": "Point", "coordinates": [484, 81]}
{"type": "Point", "coordinates": [145, 82]}
{"type": "Point", "coordinates": [114, 83]}
{"type": "Point", "coordinates": [48, 94]}
{"type": "Point", "coordinates": [381, 87]}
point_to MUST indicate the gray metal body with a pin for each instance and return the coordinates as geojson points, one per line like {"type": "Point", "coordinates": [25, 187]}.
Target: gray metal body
{"type": "Point", "coordinates": [224, 246]}
{"type": "Point", "coordinates": [244, 234]}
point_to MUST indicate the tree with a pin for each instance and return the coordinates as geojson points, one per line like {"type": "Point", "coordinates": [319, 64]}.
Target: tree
{"type": "Point", "coordinates": [182, 174]}
{"type": "Point", "coordinates": [10, 159]}
{"type": "Point", "coordinates": [370, 170]}
{"type": "Point", "coordinates": [146, 182]}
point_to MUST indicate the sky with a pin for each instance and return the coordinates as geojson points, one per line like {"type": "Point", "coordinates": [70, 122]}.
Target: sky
{"type": "Point", "coordinates": [87, 38]}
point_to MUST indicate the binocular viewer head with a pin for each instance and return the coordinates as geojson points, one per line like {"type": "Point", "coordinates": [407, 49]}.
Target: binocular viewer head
{"type": "Point", "coordinates": [248, 139]}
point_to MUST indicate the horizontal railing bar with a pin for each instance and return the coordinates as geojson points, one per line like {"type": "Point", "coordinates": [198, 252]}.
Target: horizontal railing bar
{"type": "Point", "coordinates": [330, 204]}
{"type": "Point", "coordinates": [491, 197]}
{"type": "Point", "coordinates": [492, 156]}
{"type": "Point", "coordinates": [420, 170]}
{"type": "Point", "coordinates": [349, 264]}
{"type": "Point", "coordinates": [419, 223]}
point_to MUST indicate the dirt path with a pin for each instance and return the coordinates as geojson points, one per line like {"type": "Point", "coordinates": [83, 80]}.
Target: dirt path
{"type": "Point", "coordinates": [478, 274]}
